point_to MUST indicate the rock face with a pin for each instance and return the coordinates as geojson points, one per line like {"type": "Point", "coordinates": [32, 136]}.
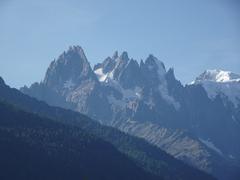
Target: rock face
{"type": "Point", "coordinates": [146, 100]}
{"type": "Point", "coordinates": [71, 68]}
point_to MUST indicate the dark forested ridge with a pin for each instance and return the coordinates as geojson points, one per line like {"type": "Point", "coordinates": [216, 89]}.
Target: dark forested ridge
{"type": "Point", "coordinates": [151, 159]}
{"type": "Point", "coordinates": [38, 148]}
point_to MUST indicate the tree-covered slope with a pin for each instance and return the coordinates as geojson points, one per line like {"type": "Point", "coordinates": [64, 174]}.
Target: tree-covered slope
{"type": "Point", "coordinates": [33, 147]}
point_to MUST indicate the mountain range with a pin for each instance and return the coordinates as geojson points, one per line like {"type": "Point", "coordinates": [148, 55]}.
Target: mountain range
{"type": "Point", "coordinates": [198, 123]}
{"type": "Point", "coordinates": [39, 141]}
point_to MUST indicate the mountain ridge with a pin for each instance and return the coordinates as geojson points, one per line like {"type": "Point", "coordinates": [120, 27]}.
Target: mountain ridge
{"type": "Point", "coordinates": [63, 151]}
{"type": "Point", "coordinates": [220, 82]}
{"type": "Point", "coordinates": [126, 91]}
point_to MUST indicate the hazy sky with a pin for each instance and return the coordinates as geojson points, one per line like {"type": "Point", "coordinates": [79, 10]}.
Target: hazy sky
{"type": "Point", "coordinates": [189, 35]}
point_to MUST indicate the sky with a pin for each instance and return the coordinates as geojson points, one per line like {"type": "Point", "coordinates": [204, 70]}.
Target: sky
{"type": "Point", "coordinates": [188, 35]}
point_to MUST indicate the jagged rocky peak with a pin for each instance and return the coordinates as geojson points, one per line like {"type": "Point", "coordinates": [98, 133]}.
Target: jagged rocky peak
{"type": "Point", "coordinates": [108, 65]}
{"type": "Point", "coordinates": [115, 55]}
{"type": "Point", "coordinates": [121, 63]}
{"type": "Point", "coordinates": [102, 70]}
{"type": "Point", "coordinates": [141, 63]}
{"type": "Point", "coordinates": [2, 81]}
{"type": "Point", "coordinates": [122, 67]}
{"type": "Point", "coordinates": [170, 72]}
{"type": "Point", "coordinates": [124, 56]}
{"type": "Point", "coordinates": [78, 50]}
{"type": "Point", "coordinates": [170, 75]}
{"type": "Point", "coordinates": [111, 68]}
{"type": "Point", "coordinates": [73, 51]}
{"type": "Point", "coordinates": [217, 75]}
{"type": "Point", "coordinates": [71, 67]}
{"type": "Point", "coordinates": [154, 63]}
{"type": "Point", "coordinates": [153, 70]}
{"type": "Point", "coordinates": [131, 76]}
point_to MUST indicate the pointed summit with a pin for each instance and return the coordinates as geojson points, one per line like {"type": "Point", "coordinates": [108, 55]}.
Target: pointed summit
{"type": "Point", "coordinates": [154, 64]}
{"type": "Point", "coordinates": [151, 56]}
{"type": "Point", "coordinates": [152, 59]}
{"type": "Point", "coordinates": [71, 67]}
{"type": "Point", "coordinates": [2, 81]}
{"type": "Point", "coordinates": [115, 55]}
{"type": "Point", "coordinates": [141, 63]}
{"type": "Point", "coordinates": [77, 50]}
{"type": "Point", "coordinates": [124, 56]}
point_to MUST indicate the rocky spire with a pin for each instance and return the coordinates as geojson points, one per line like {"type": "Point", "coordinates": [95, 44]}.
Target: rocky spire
{"type": "Point", "coordinates": [152, 64]}
{"type": "Point", "coordinates": [72, 66]}
{"type": "Point", "coordinates": [124, 56]}
{"type": "Point", "coordinates": [115, 55]}
{"type": "Point", "coordinates": [2, 81]}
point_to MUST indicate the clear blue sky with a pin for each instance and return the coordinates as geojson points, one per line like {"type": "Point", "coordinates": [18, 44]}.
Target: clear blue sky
{"type": "Point", "coordinates": [189, 35]}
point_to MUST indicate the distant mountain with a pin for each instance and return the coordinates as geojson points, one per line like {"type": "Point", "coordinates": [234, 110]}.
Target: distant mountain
{"type": "Point", "coordinates": [146, 100]}
{"type": "Point", "coordinates": [223, 83]}
{"type": "Point", "coordinates": [42, 128]}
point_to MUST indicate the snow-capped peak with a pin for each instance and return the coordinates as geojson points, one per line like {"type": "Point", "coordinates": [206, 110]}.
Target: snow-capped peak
{"type": "Point", "coordinates": [218, 76]}
{"type": "Point", "coordinates": [219, 82]}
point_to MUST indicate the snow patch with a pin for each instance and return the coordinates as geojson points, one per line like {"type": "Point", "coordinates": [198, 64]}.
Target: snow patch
{"type": "Point", "coordinates": [100, 75]}
{"type": "Point", "coordinates": [219, 76]}
{"type": "Point", "coordinates": [209, 144]}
